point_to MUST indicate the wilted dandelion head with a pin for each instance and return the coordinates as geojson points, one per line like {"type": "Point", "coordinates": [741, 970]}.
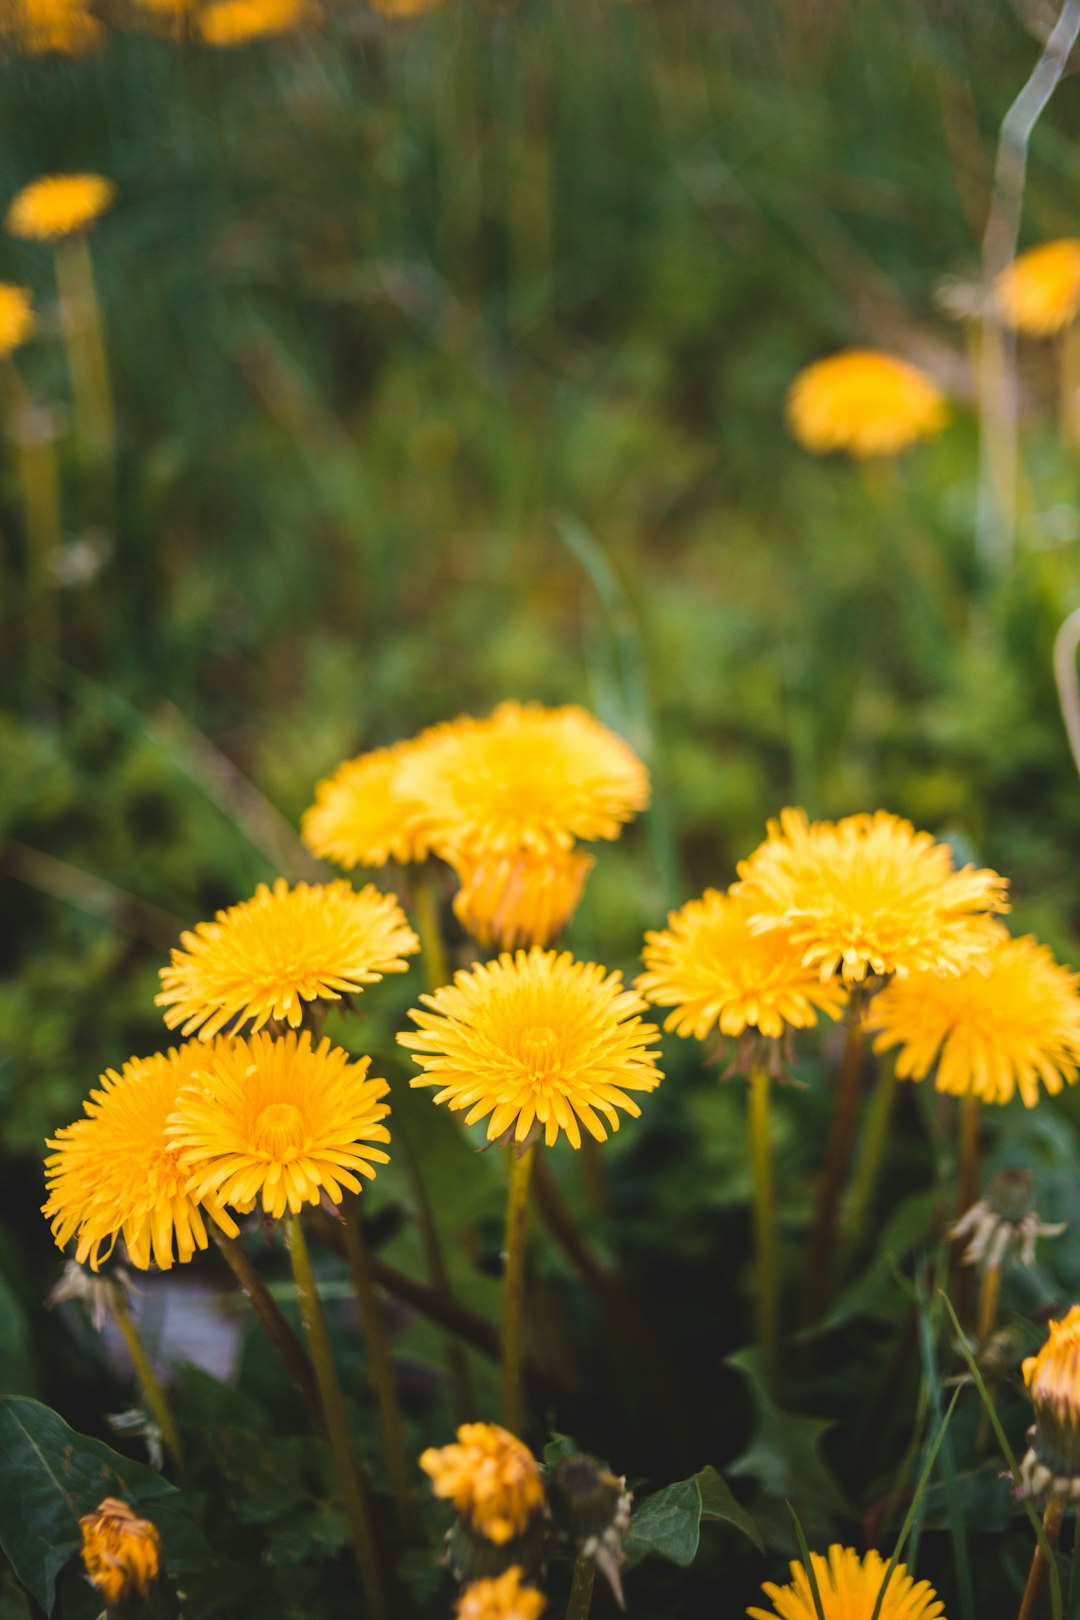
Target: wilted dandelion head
{"type": "Point", "coordinates": [279, 1123]}
{"type": "Point", "coordinates": [58, 205]}
{"type": "Point", "coordinates": [536, 1038]}
{"type": "Point", "coordinates": [115, 1172]}
{"type": "Point", "coordinates": [1008, 1021]}
{"type": "Point", "coordinates": [869, 895]}
{"type": "Point", "coordinates": [37, 26]}
{"type": "Point", "coordinates": [504, 1598]}
{"type": "Point", "coordinates": [121, 1552]}
{"type": "Point", "coordinates": [492, 1479]}
{"type": "Point", "coordinates": [227, 23]}
{"type": "Point", "coordinates": [525, 779]}
{"type": "Point", "coordinates": [1051, 1466]}
{"type": "Point", "coordinates": [867, 403]}
{"type": "Point", "coordinates": [521, 899]}
{"type": "Point", "coordinates": [1039, 293]}
{"type": "Point", "coordinates": [716, 973]}
{"type": "Point", "coordinates": [16, 316]}
{"type": "Point", "coordinates": [848, 1586]}
{"type": "Point", "coordinates": [360, 816]}
{"type": "Point", "coordinates": [265, 958]}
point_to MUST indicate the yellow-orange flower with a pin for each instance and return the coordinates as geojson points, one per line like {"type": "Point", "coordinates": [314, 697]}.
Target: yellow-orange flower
{"type": "Point", "coordinates": [121, 1552]}
{"type": "Point", "coordinates": [361, 818]}
{"type": "Point", "coordinates": [536, 1038]}
{"type": "Point", "coordinates": [16, 316]}
{"type": "Point", "coordinates": [1051, 1466]}
{"type": "Point", "coordinates": [227, 23]}
{"type": "Point", "coordinates": [716, 973]}
{"type": "Point", "coordinates": [848, 1587]}
{"type": "Point", "coordinates": [504, 1598]}
{"type": "Point", "coordinates": [869, 895]}
{"type": "Point", "coordinates": [525, 779]}
{"type": "Point", "coordinates": [867, 403]}
{"type": "Point", "coordinates": [58, 205]}
{"type": "Point", "coordinates": [265, 958]}
{"type": "Point", "coordinates": [1040, 291]}
{"type": "Point", "coordinates": [1011, 1020]}
{"type": "Point", "coordinates": [521, 899]}
{"type": "Point", "coordinates": [279, 1123]}
{"type": "Point", "coordinates": [115, 1173]}
{"type": "Point", "coordinates": [66, 26]}
{"type": "Point", "coordinates": [492, 1479]}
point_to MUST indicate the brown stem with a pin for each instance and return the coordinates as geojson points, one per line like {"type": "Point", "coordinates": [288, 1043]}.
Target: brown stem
{"type": "Point", "coordinates": [380, 1358]}
{"type": "Point", "coordinates": [1029, 1603]}
{"type": "Point", "coordinates": [457, 1364]}
{"type": "Point", "coordinates": [285, 1342]}
{"type": "Point", "coordinates": [838, 1154]}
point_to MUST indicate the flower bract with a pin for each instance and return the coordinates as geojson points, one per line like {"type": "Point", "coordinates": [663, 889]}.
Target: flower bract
{"type": "Point", "coordinates": [492, 1479]}
{"type": "Point", "coordinates": [1039, 293]}
{"type": "Point", "coordinates": [536, 1038]}
{"type": "Point", "coordinates": [866, 403]}
{"type": "Point", "coordinates": [848, 1586]}
{"type": "Point", "coordinates": [58, 205]}
{"type": "Point", "coordinates": [121, 1552]}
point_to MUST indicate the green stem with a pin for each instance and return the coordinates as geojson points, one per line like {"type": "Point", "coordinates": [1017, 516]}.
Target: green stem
{"type": "Point", "coordinates": [276, 1327]}
{"type": "Point", "coordinates": [426, 911]}
{"type": "Point", "coordinates": [513, 1315]}
{"type": "Point", "coordinates": [457, 1364]}
{"type": "Point", "coordinates": [152, 1387]}
{"type": "Point", "coordinates": [380, 1363]}
{"type": "Point", "coordinates": [967, 1179]}
{"type": "Point", "coordinates": [868, 1169]}
{"type": "Point", "coordinates": [91, 391]}
{"type": "Point", "coordinates": [581, 1590]}
{"type": "Point", "coordinates": [352, 1482]}
{"type": "Point", "coordinates": [838, 1150]}
{"type": "Point", "coordinates": [761, 1169]}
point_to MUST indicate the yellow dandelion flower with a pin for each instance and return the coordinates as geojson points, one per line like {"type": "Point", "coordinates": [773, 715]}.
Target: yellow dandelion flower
{"type": "Point", "coordinates": [848, 1587]}
{"type": "Point", "coordinates": [492, 1479]}
{"type": "Point", "coordinates": [121, 1552]}
{"type": "Point", "coordinates": [869, 895]}
{"type": "Point", "coordinates": [717, 973]}
{"type": "Point", "coordinates": [228, 23]}
{"type": "Point", "coordinates": [265, 958]}
{"type": "Point", "coordinates": [536, 1037]}
{"type": "Point", "coordinates": [525, 779]}
{"type": "Point", "coordinates": [16, 316]}
{"type": "Point", "coordinates": [1051, 1466]}
{"type": "Point", "coordinates": [65, 26]}
{"type": "Point", "coordinates": [115, 1173]}
{"type": "Point", "coordinates": [1039, 293]}
{"type": "Point", "coordinates": [504, 1598]}
{"type": "Point", "coordinates": [361, 818]}
{"type": "Point", "coordinates": [866, 403]}
{"type": "Point", "coordinates": [1011, 1020]}
{"type": "Point", "coordinates": [58, 205]}
{"type": "Point", "coordinates": [520, 899]}
{"type": "Point", "coordinates": [281, 1123]}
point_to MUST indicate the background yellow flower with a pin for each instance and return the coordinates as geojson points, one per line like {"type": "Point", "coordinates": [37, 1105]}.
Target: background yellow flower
{"type": "Point", "coordinates": [58, 205]}
{"type": "Point", "coordinates": [16, 316]}
{"type": "Point", "coordinates": [867, 403]}
{"type": "Point", "coordinates": [503, 1598]}
{"type": "Point", "coordinates": [1040, 291]}
{"type": "Point", "coordinates": [360, 816]}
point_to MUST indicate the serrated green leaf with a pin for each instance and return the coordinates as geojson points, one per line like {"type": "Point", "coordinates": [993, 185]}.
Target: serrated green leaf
{"type": "Point", "coordinates": [784, 1455]}
{"type": "Point", "coordinates": [718, 1503]}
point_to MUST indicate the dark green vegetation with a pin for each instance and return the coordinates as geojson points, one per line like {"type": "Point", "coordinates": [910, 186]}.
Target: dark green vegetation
{"type": "Point", "coordinates": [449, 362]}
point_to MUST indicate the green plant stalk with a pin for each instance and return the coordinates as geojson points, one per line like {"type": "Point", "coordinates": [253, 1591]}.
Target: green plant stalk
{"type": "Point", "coordinates": [967, 1175]}
{"type": "Point", "coordinates": [1040, 1561]}
{"type": "Point", "coordinates": [808, 1564]}
{"type": "Point", "coordinates": [581, 1589]}
{"type": "Point", "coordinates": [380, 1362]}
{"type": "Point", "coordinates": [761, 1170]}
{"type": "Point", "coordinates": [917, 1495]}
{"type": "Point", "coordinates": [426, 911]}
{"type": "Point", "coordinates": [91, 390]}
{"type": "Point", "coordinates": [153, 1389]}
{"type": "Point", "coordinates": [989, 1293]}
{"type": "Point", "coordinates": [868, 1169]}
{"type": "Point", "coordinates": [838, 1150]}
{"type": "Point", "coordinates": [352, 1482]}
{"type": "Point", "coordinates": [277, 1329]}
{"type": "Point", "coordinates": [39, 482]}
{"type": "Point", "coordinates": [457, 1364]}
{"type": "Point", "coordinates": [513, 1312]}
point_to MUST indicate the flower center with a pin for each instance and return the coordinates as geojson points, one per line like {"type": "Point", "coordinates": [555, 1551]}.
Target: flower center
{"type": "Point", "coordinates": [279, 1131]}
{"type": "Point", "coordinates": [540, 1049]}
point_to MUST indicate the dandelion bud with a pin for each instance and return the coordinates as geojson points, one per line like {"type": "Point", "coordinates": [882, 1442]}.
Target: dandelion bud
{"type": "Point", "coordinates": [1052, 1464]}
{"type": "Point", "coordinates": [122, 1552]}
{"type": "Point", "coordinates": [591, 1505]}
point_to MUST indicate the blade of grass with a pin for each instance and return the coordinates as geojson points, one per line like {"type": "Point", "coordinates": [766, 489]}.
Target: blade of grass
{"type": "Point", "coordinates": [807, 1564]}
{"type": "Point", "coordinates": [909, 1520]}
{"type": "Point", "coordinates": [953, 1505]}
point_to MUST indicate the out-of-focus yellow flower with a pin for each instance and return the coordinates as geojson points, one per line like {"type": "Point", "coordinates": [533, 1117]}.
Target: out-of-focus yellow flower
{"type": "Point", "coordinates": [848, 1587]}
{"type": "Point", "coordinates": [1051, 1466]}
{"type": "Point", "coordinates": [58, 205]}
{"type": "Point", "coordinates": [492, 1479]}
{"type": "Point", "coordinates": [405, 8]}
{"type": "Point", "coordinates": [360, 816]}
{"type": "Point", "coordinates": [68, 27]}
{"type": "Point", "coordinates": [536, 1038]}
{"type": "Point", "coordinates": [265, 958]}
{"type": "Point", "coordinates": [523, 899]}
{"type": "Point", "coordinates": [226, 23]}
{"type": "Point", "coordinates": [1011, 1020]}
{"type": "Point", "coordinates": [279, 1123]}
{"type": "Point", "coordinates": [504, 1598]}
{"type": "Point", "coordinates": [115, 1173]}
{"type": "Point", "coordinates": [867, 403]}
{"type": "Point", "coordinates": [121, 1552]}
{"type": "Point", "coordinates": [1040, 291]}
{"type": "Point", "coordinates": [711, 967]}
{"type": "Point", "coordinates": [869, 895]}
{"type": "Point", "coordinates": [16, 316]}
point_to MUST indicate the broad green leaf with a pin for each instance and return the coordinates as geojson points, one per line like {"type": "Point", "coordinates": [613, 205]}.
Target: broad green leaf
{"type": "Point", "coordinates": [784, 1455]}
{"type": "Point", "coordinates": [669, 1522]}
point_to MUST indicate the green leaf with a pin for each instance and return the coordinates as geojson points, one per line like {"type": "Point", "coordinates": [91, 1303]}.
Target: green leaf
{"type": "Point", "coordinates": [669, 1522]}
{"type": "Point", "coordinates": [50, 1476]}
{"type": "Point", "coordinates": [784, 1455]}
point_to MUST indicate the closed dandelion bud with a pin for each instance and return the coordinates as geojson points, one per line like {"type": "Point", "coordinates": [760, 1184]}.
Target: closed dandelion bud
{"type": "Point", "coordinates": [591, 1506]}
{"type": "Point", "coordinates": [1051, 1467]}
{"type": "Point", "coordinates": [121, 1552]}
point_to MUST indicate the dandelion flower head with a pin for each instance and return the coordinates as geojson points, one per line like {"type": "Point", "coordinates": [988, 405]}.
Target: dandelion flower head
{"type": "Point", "coordinates": [536, 1038]}
{"type": "Point", "coordinates": [492, 1479]}
{"type": "Point", "coordinates": [1007, 1022]}
{"type": "Point", "coordinates": [869, 895]}
{"type": "Point", "coordinates": [121, 1552]}
{"type": "Point", "coordinates": [848, 1587]}
{"type": "Point", "coordinates": [504, 1598]}
{"type": "Point", "coordinates": [227, 23]}
{"type": "Point", "coordinates": [1052, 1464]}
{"type": "Point", "coordinates": [58, 205]}
{"type": "Point", "coordinates": [360, 816]}
{"type": "Point", "coordinates": [507, 900]}
{"type": "Point", "coordinates": [37, 26]}
{"type": "Point", "coordinates": [265, 958]}
{"type": "Point", "coordinates": [116, 1173]}
{"type": "Point", "coordinates": [716, 973]}
{"type": "Point", "coordinates": [1039, 293]}
{"type": "Point", "coordinates": [279, 1123]}
{"type": "Point", "coordinates": [867, 403]}
{"type": "Point", "coordinates": [16, 316]}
